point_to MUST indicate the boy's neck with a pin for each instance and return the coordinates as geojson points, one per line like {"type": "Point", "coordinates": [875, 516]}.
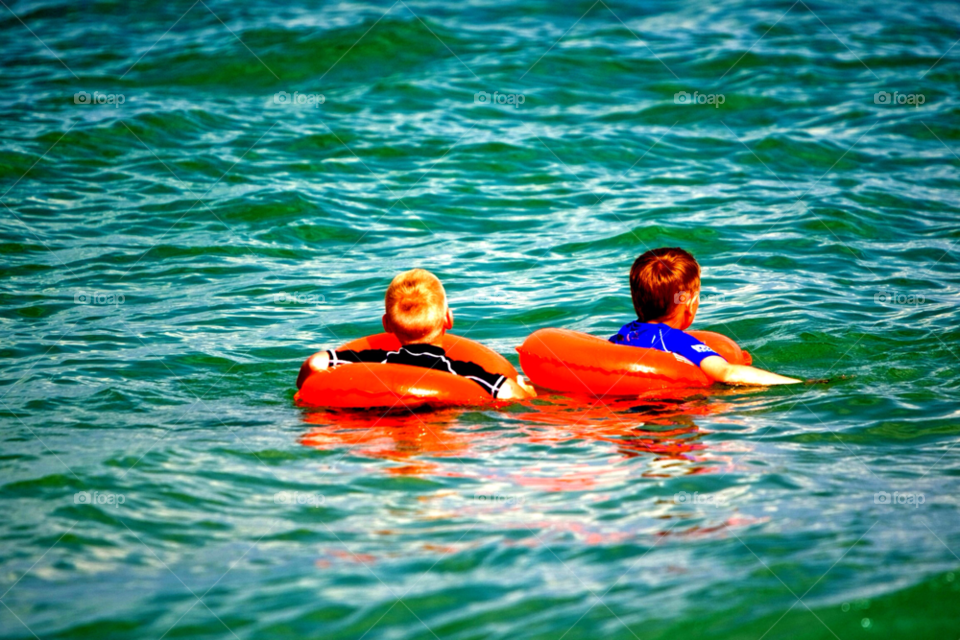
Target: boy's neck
{"type": "Point", "coordinates": [436, 341]}
{"type": "Point", "coordinates": [433, 343]}
{"type": "Point", "coordinates": [672, 322]}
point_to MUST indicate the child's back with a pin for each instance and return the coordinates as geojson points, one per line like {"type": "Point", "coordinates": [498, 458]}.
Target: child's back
{"type": "Point", "coordinates": [663, 337]}
{"type": "Point", "coordinates": [418, 315]}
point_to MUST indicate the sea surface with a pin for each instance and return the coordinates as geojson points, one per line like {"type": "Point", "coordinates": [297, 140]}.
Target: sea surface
{"type": "Point", "coordinates": [198, 196]}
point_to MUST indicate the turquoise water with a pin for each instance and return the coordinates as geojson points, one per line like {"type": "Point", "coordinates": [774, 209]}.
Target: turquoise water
{"type": "Point", "coordinates": [169, 261]}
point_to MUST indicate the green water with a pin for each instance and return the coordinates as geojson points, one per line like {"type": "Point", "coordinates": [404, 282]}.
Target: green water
{"type": "Point", "coordinates": [169, 261]}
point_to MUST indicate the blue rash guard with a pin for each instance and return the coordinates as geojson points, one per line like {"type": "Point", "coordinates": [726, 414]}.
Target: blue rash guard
{"type": "Point", "coordinates": [655, 335]}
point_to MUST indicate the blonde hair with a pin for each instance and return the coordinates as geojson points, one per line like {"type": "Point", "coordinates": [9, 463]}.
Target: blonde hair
{"type": "Point", "coordinates": [416, 305]}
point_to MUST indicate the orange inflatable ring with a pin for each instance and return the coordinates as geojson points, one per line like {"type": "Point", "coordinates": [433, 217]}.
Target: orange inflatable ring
{"type": "Point", "coordinates": [564, 360]}
{"type": "Point", "coordinates": [399, 386]}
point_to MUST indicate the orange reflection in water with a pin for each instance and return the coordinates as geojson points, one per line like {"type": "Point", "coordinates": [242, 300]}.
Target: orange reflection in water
{"type": "Point", "coordinates": [661, 427]}
{"type": "Point", "coordinates": [397, 436]}
{"type": "Point", "coordinates": [660, 432]}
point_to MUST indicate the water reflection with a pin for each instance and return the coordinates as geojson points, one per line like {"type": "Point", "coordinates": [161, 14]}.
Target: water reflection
{"type": "Point", "coordinates": [662, 429]}
{"type": "Point", "coordinates": [409, 438]}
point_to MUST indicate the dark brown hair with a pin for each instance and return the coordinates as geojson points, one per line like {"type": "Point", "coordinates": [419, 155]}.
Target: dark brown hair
{"type": "Point", "coordinates": [659, 279]}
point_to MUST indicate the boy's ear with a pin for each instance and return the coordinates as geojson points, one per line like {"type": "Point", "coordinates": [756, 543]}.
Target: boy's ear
{"type": "Point", "coordinates": [448, 320]}
{"type": "Point", "coordinates": [387, 326]}
{"type": "Point", "coordinates": [690, 310]}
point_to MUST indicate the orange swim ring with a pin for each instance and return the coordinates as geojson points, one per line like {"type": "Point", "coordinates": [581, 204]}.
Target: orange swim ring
{"type": "Point", "coordinates": [570, 361]}
{"type": "Point", "coordinates": [399, 386]}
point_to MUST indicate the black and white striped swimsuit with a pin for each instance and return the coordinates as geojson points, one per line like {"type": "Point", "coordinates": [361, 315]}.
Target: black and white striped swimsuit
{"type": "Point", "coordinates": [426, 356]}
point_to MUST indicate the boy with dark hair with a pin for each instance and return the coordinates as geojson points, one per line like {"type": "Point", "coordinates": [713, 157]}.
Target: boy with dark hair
{"type": "Point", "coordinates": [665, 287]}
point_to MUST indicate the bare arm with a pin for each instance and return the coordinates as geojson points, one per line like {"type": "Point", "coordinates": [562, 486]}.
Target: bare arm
{"type": "Point", "coordinates": [317, 362]}
{"type": "Point", "coordinates": [722, 371]}
{"type": "Point", "coordinates": [515, 390]}
{"type": "Point", "coordinates": [509, 390]}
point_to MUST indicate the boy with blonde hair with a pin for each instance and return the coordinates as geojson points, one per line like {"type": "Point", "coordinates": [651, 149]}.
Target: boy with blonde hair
{"type": "Point", "coordinates": [665, 287]}
{"type": "Point", "coordinates": [418, 315]}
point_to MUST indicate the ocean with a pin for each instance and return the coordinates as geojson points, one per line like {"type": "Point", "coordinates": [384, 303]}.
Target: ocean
{"type": "Point", "coordinates": [196, 197]}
